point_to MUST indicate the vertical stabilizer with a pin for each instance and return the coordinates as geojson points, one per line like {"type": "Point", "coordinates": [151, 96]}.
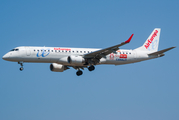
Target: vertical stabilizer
{"type": "Point", "coordinates": [152, 42]}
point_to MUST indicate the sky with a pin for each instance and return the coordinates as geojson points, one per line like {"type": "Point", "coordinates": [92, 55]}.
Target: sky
{"type": "Point", "coordinates": [145, 90]}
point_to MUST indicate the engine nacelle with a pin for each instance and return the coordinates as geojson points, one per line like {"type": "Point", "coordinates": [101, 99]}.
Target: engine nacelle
{"type": "Point", "coordinates": [76, 60]}
{"type": "Point", "coordinates": [58, 67]}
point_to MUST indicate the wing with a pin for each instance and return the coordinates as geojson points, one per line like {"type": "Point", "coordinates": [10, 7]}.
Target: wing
{"type": "Point", "coordinates": [103, 52]}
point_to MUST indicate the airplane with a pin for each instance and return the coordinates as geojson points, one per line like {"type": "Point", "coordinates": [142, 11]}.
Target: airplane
{"type": "Point", "coordinates": [62, 58]}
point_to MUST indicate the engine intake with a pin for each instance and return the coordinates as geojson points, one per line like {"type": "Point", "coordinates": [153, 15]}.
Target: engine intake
{"type": "Point", "coordinates": [57, 67]}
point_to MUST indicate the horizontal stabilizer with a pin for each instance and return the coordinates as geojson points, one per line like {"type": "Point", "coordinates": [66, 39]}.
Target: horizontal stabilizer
{"type": "Point", "coordinates": [161, 51]}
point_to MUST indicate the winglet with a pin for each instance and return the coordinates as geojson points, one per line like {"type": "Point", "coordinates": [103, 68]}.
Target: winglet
{"type": "Point", "coordinates": [127, 41]}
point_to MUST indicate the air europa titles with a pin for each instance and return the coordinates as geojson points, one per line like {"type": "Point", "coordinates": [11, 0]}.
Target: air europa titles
{"type": "Point", "coordinates": [149, 41]}
{"type": "Point", "coordinates": [62, 49]}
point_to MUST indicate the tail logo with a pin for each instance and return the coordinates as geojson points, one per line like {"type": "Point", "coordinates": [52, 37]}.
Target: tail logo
{"type": "Point", "coordinates": [149, 41]}
{"type": "Point", "coordinates": [153, 45]}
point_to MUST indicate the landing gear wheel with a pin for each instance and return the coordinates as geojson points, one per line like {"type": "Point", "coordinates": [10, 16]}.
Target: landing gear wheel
{"type": "Point", "coordinates": [91, 68]}
{"type": "Point", "coordinates": [21, 68]}
{"type": "Point", "coordinates": [21, 63]}
{"type": "Point", "coordinates": [79, 72]}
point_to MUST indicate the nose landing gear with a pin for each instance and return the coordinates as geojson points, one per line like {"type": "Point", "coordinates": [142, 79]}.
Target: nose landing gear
{"type": "Point", "coordinates": [21, 68]}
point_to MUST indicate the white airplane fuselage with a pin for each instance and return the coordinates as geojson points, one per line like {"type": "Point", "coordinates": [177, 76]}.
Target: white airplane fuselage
{"type": "Point", "coordinates": [59, 55]}
{"type": "Point", "coordinates": [79, 58]}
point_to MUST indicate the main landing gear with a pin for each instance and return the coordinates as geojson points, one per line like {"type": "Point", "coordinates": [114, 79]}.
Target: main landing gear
{"type": "Point", "coordinates": [79, 72]}
{"type": "Point", "coordinates": [91, 68]}
{"type": "Point", "coordinates": [21, 68]}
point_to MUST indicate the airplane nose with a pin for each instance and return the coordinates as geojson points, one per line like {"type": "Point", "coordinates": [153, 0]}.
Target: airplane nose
{"type": "Point", "coordinates": [5, 57]}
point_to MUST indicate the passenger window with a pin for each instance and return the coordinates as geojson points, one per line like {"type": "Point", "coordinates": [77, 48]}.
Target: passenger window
{"type": "Point", "coordinates": [84, 51]}
{"type": "Point", "coordinates": [80, 51]}
{"type": "Point", "coordinates": [34, 50]}
{"type": "Point", "coordinates": [77, 51]}
{"type": "Point", "coordinates": [52, 50]}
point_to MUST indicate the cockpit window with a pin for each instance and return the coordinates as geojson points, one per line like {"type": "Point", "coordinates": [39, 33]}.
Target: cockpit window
{"type": "Point", "coordinates": [14, 50]}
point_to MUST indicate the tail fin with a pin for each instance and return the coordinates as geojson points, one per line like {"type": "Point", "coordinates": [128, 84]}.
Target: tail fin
{"type": "Point", "coordinates": [152, 42]}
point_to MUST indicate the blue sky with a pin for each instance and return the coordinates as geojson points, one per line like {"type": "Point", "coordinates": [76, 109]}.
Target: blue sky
{"type": "Point", "coordinates": [146, 90]}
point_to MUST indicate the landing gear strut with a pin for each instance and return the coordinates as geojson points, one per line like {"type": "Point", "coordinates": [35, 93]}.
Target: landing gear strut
{"type": "Point", "coordinates": [91, 68]}
{"type": "Point", "coordinates": [79, 72]}
{"type": "Point", "coordinates": [21, 68]}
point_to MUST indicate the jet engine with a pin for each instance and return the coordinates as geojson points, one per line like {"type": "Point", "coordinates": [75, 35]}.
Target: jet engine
{"type": "Point", "coordinates": [58, 67]}
{"type": "Point", "coordinates": [76, 60]}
